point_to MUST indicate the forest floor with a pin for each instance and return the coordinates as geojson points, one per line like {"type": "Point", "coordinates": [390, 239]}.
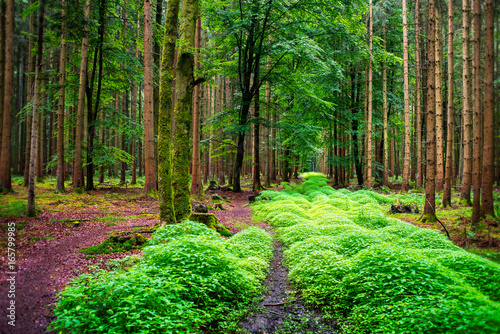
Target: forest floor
{"type": "Point", "coordinates": [48, 257]}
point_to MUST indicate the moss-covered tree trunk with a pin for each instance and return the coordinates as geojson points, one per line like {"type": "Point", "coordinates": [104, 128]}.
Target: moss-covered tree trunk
{"type": "Point", "coordinates": [181, 157]}
{"type": "Point", "coordinates": [165, 192]}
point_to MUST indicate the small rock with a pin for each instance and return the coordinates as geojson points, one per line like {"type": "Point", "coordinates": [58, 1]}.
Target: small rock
{"type": "Point", "coordinates": [219, 206]}
{"type": "Point", "coordinates": [200, 208]}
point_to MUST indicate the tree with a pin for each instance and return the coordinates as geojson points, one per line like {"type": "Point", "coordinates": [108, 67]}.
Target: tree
{"type": "Point", "coordinates": [370, 104]}
{"type": "Point", "coordinates": [439, 106]}
{"type": "Point", "coordinates": [418, 108]}
{"type": "Point", "coordinates": [5, 179]}
{"type": "Point", "coordinates": [165, 191]}
{"type": "Point", "coordinates": [451, 115]}
{"type": "Point", "coordinates": [467, 113]}
{"type": "Point", "coordinates": [149, 140]}
{"type": "Point", "coordinates": [429, 214]}
{"type": "Point", "coordinates": [406, 165]}
{"type": "Point", "coordinates": [181, 152]}
{"type": "Point", "coordinates": [36, 96]}
{"type": "Point", "coordinates": [196, 186]}
{"type": "Point", "coordinates": [489, 102]}
{"type": "Point", "coordinates": [384, 104]}
{"type": "Point", "coordinates": [477, 144]}
{"type": "Point", "coordinates": [61, 102]}
{"type": "Point", "coordinates": [78, 169]}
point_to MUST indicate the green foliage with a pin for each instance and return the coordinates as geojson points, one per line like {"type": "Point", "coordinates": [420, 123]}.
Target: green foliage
{"type": "Point", "coordinates": [379, 274]}
{"type": "Point", "coordinates": [189, 280]}
{"type": "Point", "coordinates": [15, 209]}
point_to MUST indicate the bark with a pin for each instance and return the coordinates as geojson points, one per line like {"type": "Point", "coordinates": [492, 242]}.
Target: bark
{"type": "Point", "coordinates": [2, 62]}
{"type": "Point", "coordinates": [477, 144]}
{"type": "Point", "coordinates": [165, 190]}
{"type": "Point", "coordinates": [61, 102]}
{"type": "Point", "coordinates": [450, 162]}
{"type": "Point", "coordinates": [489, 107]}
{"type": "Point", "coordinates": [267, 182]}
{"type": "Point", "coordinates": [29, 118]}
{"type": "Point", "coordinates": [156, 78]}
{"type": "Point", "coordinates": [256, 185]}
{"type": "Point", "coordinates": [78, 172]}
{"type": "Point", "coordinates": [5, 178]}
{"type": "Point", "coordinates": [467, 113]}
{"type": "Point", "coordinates": [31, 210]}
{"type": "Point", "coordinates": [134, 114]}
{"type": "Point", "coordinates": [385, 172]}
{"type": "Point", "coordinates": [181, 157]}
{"type": "Point", "coordinates": [406, 161]}
{"type": "Point", "coordinates": [149, 140]}
{"type": "Point", "coordinates": [417, 94]}
{"type": "Point", "coordinates": [370, 100]}
{"type": "Point", "coordinates": [439, 106]}
{"type": "Point", "coordinates": [430, 174]}
{"type": "Point", "coordinates": [196, 186]}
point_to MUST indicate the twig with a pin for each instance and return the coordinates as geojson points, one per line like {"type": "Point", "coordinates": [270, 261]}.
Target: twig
{"type": "Point", "coordinates": [283, 303]}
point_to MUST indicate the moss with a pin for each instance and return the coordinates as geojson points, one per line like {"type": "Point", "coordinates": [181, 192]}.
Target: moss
{"type": "Point", "coordinates": [80, 190]}
{"type": "Point", "coordinates": [117, 242]}
{"type": "Point", "coordinates": [210, 221]}
{"type": "Point", "coordinates": [428, 218]}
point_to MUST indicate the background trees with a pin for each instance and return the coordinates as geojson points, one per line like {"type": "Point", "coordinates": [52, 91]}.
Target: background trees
{"type": "Point", "coordinates": [287, 88]}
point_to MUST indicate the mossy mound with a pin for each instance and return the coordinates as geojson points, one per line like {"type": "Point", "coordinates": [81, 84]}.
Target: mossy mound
{"type": "Point", "coordinates": [211, 222]}
{"type": "Point", "coordinates": [117, 242]}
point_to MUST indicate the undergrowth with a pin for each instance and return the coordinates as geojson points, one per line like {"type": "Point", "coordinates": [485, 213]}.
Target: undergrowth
{"type": "Point", "coordinates": [189, 280]}
{"type": "Point", "coordinates": [378, 274]}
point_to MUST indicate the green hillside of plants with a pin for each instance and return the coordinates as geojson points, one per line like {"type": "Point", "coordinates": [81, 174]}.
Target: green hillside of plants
{"type": "Point", "coordinates": [189, 279]}
{"type": "Point", "coordinates": [378, 274]}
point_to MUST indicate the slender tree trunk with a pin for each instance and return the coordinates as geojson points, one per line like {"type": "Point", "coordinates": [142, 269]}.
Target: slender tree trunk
{"type": "Point", "coordinates": [181, 157]}
{"type": "Point", "coordinates": [149, 140]}
{"type": "Point", "coordinates": [439, 106]}
{"type": "Point", "coordinates": [477, 145]}
{"type": "Point", "coordinates": [31, 210]}
{"type": "Point", "coordinates": [139, 141]}
{"type": "Point", "coordinates": [196, 177]}
{"type": "Point", "coordinates": [62, 95]}
{"type": "Point", "coordinates": [385, 175]}
{"type": "Point", "coordinates": [489, 107]}
{"type": "Point", "coordinates": [3, 10]}
{"type": "Point", "coordinates": [256, 185]}
{"type": "Point", "coordinates": [417, 94]}
{"type": "Point", "coordinates": [29, 118]}
{"type": "Point", "coordinates": [467, 113]}
{"type": "Point", "coordinates": [134, 112]}
{"type": "Point", "coordinates": [430, 175]}
{"type": "Point", "coordinates": [406, 163]}
{"type": "Point", "coordinates": [78, 173]}
{"type": "Point", "coordinates": [370, 102]}
{"type": "Point", "coordinates": [450, 163]}
{"type": "Point", "coordinates": [5, 177]}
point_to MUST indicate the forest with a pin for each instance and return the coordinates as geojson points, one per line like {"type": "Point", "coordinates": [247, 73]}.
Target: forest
{"type": "Point", "coordinates": [250, 166]}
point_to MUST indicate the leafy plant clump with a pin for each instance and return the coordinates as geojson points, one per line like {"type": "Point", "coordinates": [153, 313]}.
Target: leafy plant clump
{"type": "Point", "coordinates": [188, 280]}
{"type": "Point", "coordinates": [378, 274]}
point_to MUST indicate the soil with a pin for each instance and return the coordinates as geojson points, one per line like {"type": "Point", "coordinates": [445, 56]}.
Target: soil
{"type": "Point", "coordinates": [282, 310]}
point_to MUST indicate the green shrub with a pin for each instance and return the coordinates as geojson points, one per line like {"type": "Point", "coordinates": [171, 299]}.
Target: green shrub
{"type": "Point", "coordinates": [15, 209]}
{"type": "Point", "coordinates": [189, 280]}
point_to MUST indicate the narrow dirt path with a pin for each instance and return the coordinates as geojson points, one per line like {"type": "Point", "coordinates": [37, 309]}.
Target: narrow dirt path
{"type": "Point", "coordinates": [282, 310]}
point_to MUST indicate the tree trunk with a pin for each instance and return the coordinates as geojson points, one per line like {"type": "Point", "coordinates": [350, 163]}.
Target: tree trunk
{"type": "Point", "coordinates": [196, 178]}
{"type": "Point", "coordinates": [467, 113]}
{"type": "Point", "coordinates": [29, 118]}
{"type": "Point", "coordinates": [430, 174]}
{"type": "Point", "coordinates": [256, 185]}
{"type": "Point", "coordinates": [149, 140]}
{"type": "Point", "coordinates": [134, 114]}
{"type": "Point", "coordinates": [417, 95]}
{"type": "Point", "coordinates": [385, 174]}
{"type": "Point", "coordinates": [370, 100]}
{"type": "Point", "coordinates": [62, 95]}
{"type": "Point", "coordinates": [5, 178]}
{"type": "Point", "coordinates": [477, 145]}
{"type": "Point", "coordinates": [3, 27]}
{"type": "Point", "coordinates": [181, 157]}
{"type": "Point", "coordinates": [450, 162]}
{"type": "Point", "coordinates": [439, 106]}
{"type": "Point", "coordinates": [31, 210]}
{"type": "Point", "coordinates": [165, 190]}
{"type": "Point", "coordinates": [406, 162]}
{"type": "Point", "coordinates": [78, 172]}
{"type": "Point", "coordinates": [489, 107]}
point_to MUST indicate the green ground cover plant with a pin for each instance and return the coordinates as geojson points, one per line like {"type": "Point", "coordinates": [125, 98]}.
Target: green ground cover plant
{"type": "Point", "coordinates": [189, 279]}
{"type": "Point", "coordinates": [378, 274]}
